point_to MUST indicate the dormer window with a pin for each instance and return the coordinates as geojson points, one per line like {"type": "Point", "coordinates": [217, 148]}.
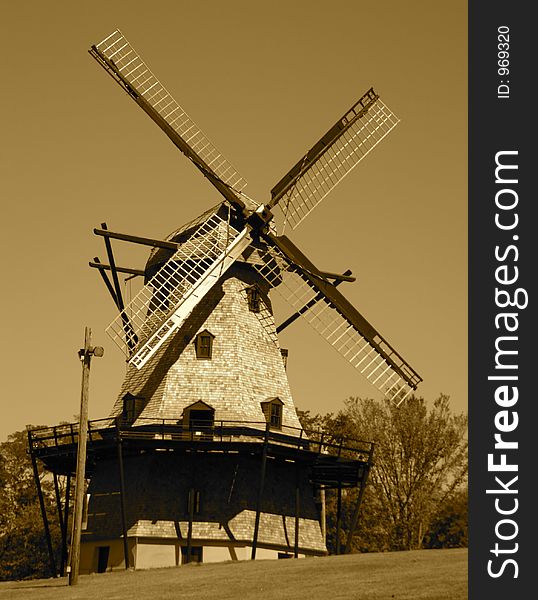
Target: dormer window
{"type": "Point", "coordinates": [272, 409]}
{"type": "Point", "coordinates": [132, 406]}
{"type": "Point", "coordinates": [198, 421]}
{"type": "Point", "coordinates": [254, 299]}
{"type": "Point", "coordinates": [203, 343]}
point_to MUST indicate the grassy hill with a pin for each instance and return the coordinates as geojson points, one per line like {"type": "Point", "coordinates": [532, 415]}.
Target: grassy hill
{"type": "Point", "coordinates": [415, 575]}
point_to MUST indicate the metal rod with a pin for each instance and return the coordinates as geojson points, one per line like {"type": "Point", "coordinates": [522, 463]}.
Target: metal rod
{"type": "Point", "coordinates": [52, 563]}
{"type": "Point", "coordinates": [260, 493]}
{"type": "Point", "coordinates": [122, 497]}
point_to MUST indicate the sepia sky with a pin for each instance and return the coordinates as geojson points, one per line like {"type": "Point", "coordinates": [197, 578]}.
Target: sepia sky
{"type": "Point", "coordinates": [264, 80]}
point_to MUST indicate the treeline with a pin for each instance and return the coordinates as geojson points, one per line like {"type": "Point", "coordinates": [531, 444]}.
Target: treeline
{"type": "Point", "coordinates": [416, 496]}
{"type": "Point", "coordinates": [23, 546]}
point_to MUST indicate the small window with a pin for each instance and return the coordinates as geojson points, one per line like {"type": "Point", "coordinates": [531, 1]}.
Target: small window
{"type": "Point", "coordinates": [276, 415]}
{"type": "Point", "coordinates": [272, 409]}
{"type": "Point", "coordinates": [204, 344]}
{"type": "Point", "coordinates": [254, 299]}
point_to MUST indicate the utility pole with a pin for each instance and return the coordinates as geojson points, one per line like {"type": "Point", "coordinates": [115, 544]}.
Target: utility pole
{"type": "Point", "coordinates": [85, 355]}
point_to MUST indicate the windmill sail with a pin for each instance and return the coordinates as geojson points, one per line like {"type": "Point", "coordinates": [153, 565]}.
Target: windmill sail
{"type": "Point", "coordinates": [336, 320]}
{"type": "Point", "coordinates": [165, 302]}
{"type": "Point", "coordinates": [116, 55]}
{"type": "Point", "coordinates": [340, 150]}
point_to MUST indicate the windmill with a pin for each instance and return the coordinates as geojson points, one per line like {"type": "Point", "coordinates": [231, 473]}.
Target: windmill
{"type": "Point", "coordinates": [220, 240]}
{"type": "Point", "coordinates": [213, 461]}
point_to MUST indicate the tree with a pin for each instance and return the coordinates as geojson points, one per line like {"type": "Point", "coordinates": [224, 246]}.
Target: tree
{"type": "Point", "coordinates": [420, 460]}
{"type": "Point", "coordinates": [23, 549]}
{"type": "Point", "coordinates": [420, 464]}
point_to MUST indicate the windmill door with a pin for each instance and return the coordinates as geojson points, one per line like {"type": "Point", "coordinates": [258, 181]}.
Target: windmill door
{"type": "Point", "coordinates": [102, 558]}
{"type": "Point", "coordinates": [201, 422]}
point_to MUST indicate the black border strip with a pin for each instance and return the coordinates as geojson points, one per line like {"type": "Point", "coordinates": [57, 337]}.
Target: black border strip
{"type": "Point", "coordinates": [501, 120]}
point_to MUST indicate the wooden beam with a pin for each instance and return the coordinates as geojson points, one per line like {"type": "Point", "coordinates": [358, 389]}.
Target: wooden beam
{"type": "Point", "coordinates": [60, 519]}
{"type": "Point", "coordinates": [52, 563]}
{"type": "Point", "coordinates": [315, 300]}
{"type": "Point", "coordinates": [260, 493]}
{"type": "Point", "coordinates": [338, 516]}
{"type": "Point", "coordinates": [190, 503]}
{"type": "Point", "coordinates": [128, 328]}
{"type": "Point", "coordinates": [96, 264]}
{"type": "Point", "coordinates": [122, 497]}
{"type": "Point", "coordinates": [113, 270]}
{"type": "Point", "coordinates": [337, 277]}
{"type": "Point", "coordinates": [192, 493]}
{"type": "Point", "coordinates": [66, 521]}
{"type": "Point", "coordinates": [355, 518]}
{"type": "Point", "coordinates": [106, 280]}
{"type": "Point", "coordinates": [135, 239]}
{"type": "Point", "coordinates": [323, 514]}
{"type": "Point", "coordinates": [297, 511]}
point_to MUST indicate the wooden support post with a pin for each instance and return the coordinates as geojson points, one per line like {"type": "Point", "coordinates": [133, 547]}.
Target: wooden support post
{"type": "Point", "coordinates": [190, 504]}
{"type": "Point", "coordinates": [66, 519]}
{"type": "Point", "coordinates": [338, 516]}
{"type": "Point", "coordinates": [97, 264]}
{"type": "Point", "coordinates": [60, 519]}
{"type": "Point", "coordinates": [323, 515]}
{"type": "Point", "coordinates": [355, 518]}
{"type": "Point", "coordinates": [106, 281]}
{"type": "Point", "coordinates": [130, 335]}
{"type": "Point", "coordinates": [189, 529]}
{"type": "Point", "coordinates": [122, 497]}
{"type": "Point", "coordinates": [260, 493]}
{"type": "Point", "coordinates": [297, 511]}
{"type": "Point", "coordinates": [85, 355]}
{"type": "Point", "coordinates": [135, 239]}
{"type": "Point", "coordinates": [52, 562]}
